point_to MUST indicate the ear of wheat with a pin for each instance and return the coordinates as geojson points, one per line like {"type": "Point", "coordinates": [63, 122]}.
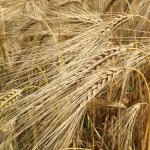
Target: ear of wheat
{"type": "Point", "coordinates": [96, 40]}
{"type": "Point", "coordinates": [8, 98]}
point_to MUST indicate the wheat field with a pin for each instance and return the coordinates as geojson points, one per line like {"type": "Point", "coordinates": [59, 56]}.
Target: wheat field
{"type": "Point", "coordinates": [74, 75]}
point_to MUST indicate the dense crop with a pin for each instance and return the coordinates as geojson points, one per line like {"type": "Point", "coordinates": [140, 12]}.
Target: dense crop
{"type": "Point", "coordinates": [74, 74]}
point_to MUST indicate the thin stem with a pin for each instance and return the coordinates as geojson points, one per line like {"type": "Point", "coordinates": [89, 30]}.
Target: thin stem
{"type": "Point", "coordinates": [147, 130]}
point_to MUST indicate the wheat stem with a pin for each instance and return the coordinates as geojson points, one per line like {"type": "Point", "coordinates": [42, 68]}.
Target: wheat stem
{"type": "Point", "coordinates": [148, 119]}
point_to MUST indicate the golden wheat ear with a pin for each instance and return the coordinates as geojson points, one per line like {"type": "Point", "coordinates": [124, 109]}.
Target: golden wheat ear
{"type": "Point", "coordinates": [6, 100]}
{"type": "Point", "coordinates": [10, 97]}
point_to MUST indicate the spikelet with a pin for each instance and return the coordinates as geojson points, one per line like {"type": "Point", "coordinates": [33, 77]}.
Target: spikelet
{"type": "Point", "coordinates": [101, 79]}
{"type": "Point", "coordinates": [9, 97]}
{"type": "Point", "coordinates": [6, 100]}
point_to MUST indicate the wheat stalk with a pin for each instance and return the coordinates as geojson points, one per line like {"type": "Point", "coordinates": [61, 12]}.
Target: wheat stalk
{"type": "Point", "coordinates": [104, 79]}
{"type": "Point", "coordinates": [126, 124]}
{"type": "Point", "coordinates": [86, 89]}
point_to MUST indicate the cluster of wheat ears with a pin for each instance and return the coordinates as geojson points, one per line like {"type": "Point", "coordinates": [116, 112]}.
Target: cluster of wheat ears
{"type": "Point", "coordinates": [74, 74]}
